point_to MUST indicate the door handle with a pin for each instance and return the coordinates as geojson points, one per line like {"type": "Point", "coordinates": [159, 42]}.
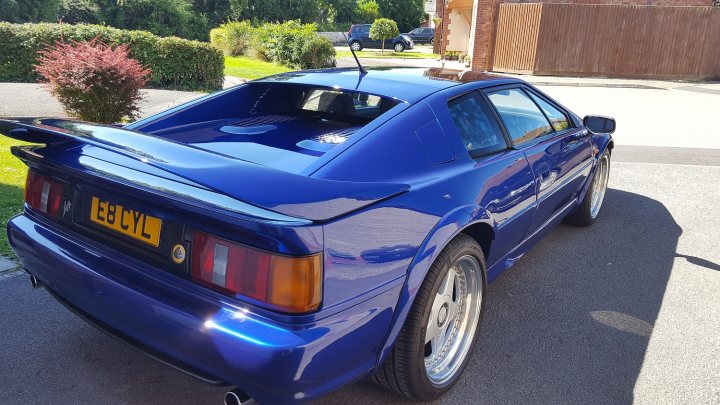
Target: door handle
{"type": "Point", "coordinates": [582, 134]}
{"type": "Point", "coordinates": [545, 177]}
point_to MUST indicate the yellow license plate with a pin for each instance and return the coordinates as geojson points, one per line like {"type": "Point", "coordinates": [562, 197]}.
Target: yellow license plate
{"type": "Point", "coordinates": [128, 222]}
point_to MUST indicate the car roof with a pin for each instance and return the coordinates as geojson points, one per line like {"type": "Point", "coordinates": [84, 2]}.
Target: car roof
{"type": "Point", "coordinates": [405, 84]}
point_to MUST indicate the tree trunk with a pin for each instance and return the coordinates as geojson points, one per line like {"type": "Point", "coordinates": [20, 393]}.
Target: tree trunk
{"type": "Point", "coordinates": [382, 46]}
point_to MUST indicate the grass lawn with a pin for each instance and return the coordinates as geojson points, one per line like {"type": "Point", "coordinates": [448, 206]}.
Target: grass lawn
{"type": "Point", "coordinates": [12, 183]}
{"type": "Point", "coordinates": [388, 54]}
{"type": "Point", "coordinates": [249, 68]}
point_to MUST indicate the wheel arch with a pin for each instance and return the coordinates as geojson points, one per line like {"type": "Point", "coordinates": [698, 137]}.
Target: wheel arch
{"type": "Point", "coordinates": [472, 221]}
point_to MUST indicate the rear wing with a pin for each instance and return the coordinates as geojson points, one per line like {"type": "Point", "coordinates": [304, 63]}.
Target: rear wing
{"type": "Point", "coordinates": [289, 194]}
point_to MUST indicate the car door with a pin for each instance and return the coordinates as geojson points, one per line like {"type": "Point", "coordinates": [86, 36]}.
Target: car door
{"type": "Point", "coordinates": [367, 41]}
{"type": "Point", "coordinates": [427, 35]}
{"type": "Point", "coordinates": [500, 181]}
{"type": "Point", "coordinates": [559, 153]}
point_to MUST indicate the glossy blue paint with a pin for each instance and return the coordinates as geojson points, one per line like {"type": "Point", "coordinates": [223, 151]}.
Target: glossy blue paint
{"type": "Point", "coordinates": [380, 206]}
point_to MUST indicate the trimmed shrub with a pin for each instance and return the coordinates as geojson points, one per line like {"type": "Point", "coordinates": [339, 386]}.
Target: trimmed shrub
{"type": "Point", "coordinates": [233, 38]}
{"type": "Point", "coordinates": [279, 42]}
{"type": "Point", "coordinates": [285, 44]}
{"type": "Point", "coordinates": [175, 63]}
{"type": "Point", "coordinates": [93, 81]}
{"type": "Point", "coordinates": [316, 53]}
{"type": "Point", "coordinates": [383, 29]}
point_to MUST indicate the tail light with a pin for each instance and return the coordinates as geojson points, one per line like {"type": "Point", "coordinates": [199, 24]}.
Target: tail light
{"type": "Point", "coordinates": [43, 194]}
{"type": "Point", "coordinates": [287, 284]}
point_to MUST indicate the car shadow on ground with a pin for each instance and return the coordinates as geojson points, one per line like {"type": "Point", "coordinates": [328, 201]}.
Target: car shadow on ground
{"type": "Point", "coordinates": [570, 323]}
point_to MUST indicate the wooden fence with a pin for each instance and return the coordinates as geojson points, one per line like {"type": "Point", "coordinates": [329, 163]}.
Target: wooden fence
{"type": "Point", "coordinates": [608, 40]}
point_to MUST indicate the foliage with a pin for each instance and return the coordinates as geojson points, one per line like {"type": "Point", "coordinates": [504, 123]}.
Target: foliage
{"type": "Point", "coordinates": [282, 10]}
{"type": "Point", "coordinates": [316, 53]}
{"type": "Point", "coordinates": [407, 13]}
{"type": "Point", "coordinates": [366, 11]}
{"type": "Point", "coordinates": [78, 11]}
{"type": "Point", "coordinates": [175, 63]}
{"type": "Point", "coordinates": [280, 43]}
{"type": "Point", "coordinates": [383, 29]}
{"type": "Point", "coordinates": [28, 10]}
{"type": "Point", "coordinates": [291, 43]}
{"type": "Point", "coordinates": [233, 38]}
{"type": "Point", "coordinates": [344, 10]}
{"type": "Point", "coordinates": [93, 81]}
{"type": "Point", "coordinates": [161, 17]}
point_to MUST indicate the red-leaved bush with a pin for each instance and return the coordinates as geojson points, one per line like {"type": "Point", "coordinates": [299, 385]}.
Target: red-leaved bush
{"type": "Point", "coordinates": [93, 81]}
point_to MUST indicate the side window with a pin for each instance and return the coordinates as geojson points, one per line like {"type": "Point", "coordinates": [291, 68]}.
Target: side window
{"type": "Point", "coordinates": [558, 119]}
{"type": "Point", "coordinates": [478, 129]}
{"type": "Point", "coordinates": [522, 118]}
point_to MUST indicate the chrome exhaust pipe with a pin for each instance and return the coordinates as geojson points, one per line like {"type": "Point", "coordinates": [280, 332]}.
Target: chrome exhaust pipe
{"type": "Point", "coordinates": [34, 282]}
{"type": "Point", "coordinates": [238, 397]}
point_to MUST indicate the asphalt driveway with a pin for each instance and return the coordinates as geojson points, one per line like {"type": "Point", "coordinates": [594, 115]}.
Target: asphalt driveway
{"type": "Point", "coordinates": [624, 311]}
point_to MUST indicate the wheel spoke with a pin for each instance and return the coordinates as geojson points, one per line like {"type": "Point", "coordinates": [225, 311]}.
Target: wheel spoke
{"type": "Point", "coordinates": [447, 286]}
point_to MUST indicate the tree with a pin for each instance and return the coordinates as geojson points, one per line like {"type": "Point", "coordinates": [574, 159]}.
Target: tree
{"type": "Point", "coordinates": [78, 11]}
{"type": "Point", "coordinates": [161, 17]}
{"type": "Point", "coordinates": [21, 11]}
{"type": "Point", "coordinates": [306, 11]}
{"type": "Point", "coordinates": [382, 29]}
{"type": "Point", "coordinates": [344, 10]}
{"type": "Point", "coordinates": [367, 11]}
{"type": "Point", "coordinates": [407, 13]}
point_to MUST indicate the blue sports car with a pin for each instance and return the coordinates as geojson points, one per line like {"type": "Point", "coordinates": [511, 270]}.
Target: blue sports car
{"type": "Point", "coordinates": [296, 233]}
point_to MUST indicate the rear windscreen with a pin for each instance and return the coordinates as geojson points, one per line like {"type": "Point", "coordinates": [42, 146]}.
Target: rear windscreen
{"type": "Point", "coordinates": [282, 125]}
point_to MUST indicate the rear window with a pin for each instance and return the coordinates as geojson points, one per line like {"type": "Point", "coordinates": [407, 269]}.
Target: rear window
{"type": "Point", "coordinates": [282, 125]}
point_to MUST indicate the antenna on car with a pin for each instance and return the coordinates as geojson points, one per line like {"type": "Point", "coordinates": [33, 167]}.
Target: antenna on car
{"type": "Point", "coordinates": [360, 67]}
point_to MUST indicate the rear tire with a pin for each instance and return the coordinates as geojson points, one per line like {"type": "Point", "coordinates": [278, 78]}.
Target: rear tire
{"type": "Point", "coordinates": [589, 209]}
{"type": "Point", "coordinates": [441, 329]}
{"type": "Point", "coordinates": [356, 46]}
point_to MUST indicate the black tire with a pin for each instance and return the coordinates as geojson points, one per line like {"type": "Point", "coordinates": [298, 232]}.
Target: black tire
{"type": "Point", "coordinates": [356, 44]}
{"type": "Point", "coordinates": [585, 215]}
{"type": "Point", "coordinates": [404, 370]}
{"type": "Point", "coordinates": [398, 47]}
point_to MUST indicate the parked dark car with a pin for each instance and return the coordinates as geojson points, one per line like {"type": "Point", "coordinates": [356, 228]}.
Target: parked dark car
{"type": "Point", "coordinates": [359, 38]}
{"type": "Point", "coordinates": [422, 35]}
{"type": "Point", "coordinates": [297, 233]}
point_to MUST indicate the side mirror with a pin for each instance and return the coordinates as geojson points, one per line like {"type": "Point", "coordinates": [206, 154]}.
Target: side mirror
{"type": "Point", "coordinates": [599, 125]}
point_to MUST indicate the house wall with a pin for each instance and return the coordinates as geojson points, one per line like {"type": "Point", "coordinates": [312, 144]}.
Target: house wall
{"type": "Point", "coordinates": [459, 36]}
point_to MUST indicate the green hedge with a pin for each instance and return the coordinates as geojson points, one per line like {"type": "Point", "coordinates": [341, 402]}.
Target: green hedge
{"type": "Point", "coordinates": [176, 63]}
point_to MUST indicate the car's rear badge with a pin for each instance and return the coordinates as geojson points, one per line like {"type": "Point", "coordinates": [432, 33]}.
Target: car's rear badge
{"type": "Point", "coordinates": [178, 253]}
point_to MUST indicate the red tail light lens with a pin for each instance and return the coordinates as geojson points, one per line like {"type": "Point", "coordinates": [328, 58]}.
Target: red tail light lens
{"type": "Point", "coordinates": [288, 284]}
{"type": "Point", "coordinates": [43, 194]}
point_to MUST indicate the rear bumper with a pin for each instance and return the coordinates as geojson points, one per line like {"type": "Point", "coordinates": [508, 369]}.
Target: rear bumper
{"type": "Point", "coordinates": [206, 334]}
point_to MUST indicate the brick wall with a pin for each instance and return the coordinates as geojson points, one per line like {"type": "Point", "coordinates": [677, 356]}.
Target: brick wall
{"type": "Point", "coordinates": [487, 13]}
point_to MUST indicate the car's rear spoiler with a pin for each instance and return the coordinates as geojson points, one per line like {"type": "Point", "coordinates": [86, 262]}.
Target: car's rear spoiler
{"type": "Point", "coordinates": [286, 193]}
